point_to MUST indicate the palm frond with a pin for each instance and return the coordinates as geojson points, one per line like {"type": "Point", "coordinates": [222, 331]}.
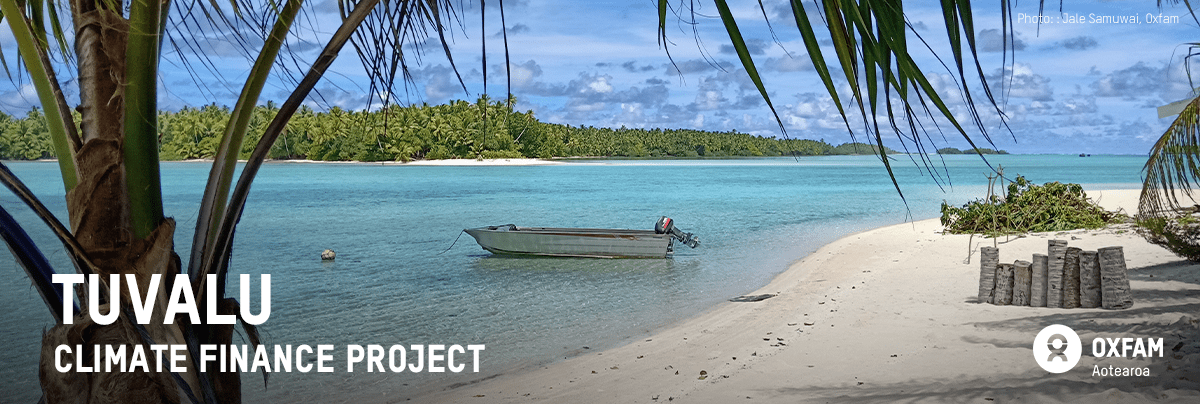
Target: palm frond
{"type": "Point", "coordinates": [34, 264]}
{"type": "Point", "coordinates": [141, 116]}
{"type": "Point", "coordinates": [41, 74]}
{"type": "Point", "coordinates": [216, 193]}
{"type": "Point", "coordinates": [216, 260]}
{"type": "Point", "coordinates": [1173, 165]}
{"type": "Point", "coordinates": [739, 45]}
{"type": "Point", "coordinates": [869, 40]}
{"type": "Point", "coordinates": [74, 250]}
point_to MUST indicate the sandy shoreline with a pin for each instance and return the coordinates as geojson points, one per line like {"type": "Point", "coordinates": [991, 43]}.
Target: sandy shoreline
{"type": "Point", "coordinates": [889, 315]}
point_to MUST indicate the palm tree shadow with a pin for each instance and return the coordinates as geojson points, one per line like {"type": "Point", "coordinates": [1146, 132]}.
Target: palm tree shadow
{"type": "Point", "coordinates": [1028, 388]}
{"type": "Point", "coordinates": [1166, 302]}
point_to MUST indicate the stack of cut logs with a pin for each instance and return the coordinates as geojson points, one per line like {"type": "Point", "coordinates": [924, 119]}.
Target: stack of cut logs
{"type": "Point", "coordinates": [1066, 277]}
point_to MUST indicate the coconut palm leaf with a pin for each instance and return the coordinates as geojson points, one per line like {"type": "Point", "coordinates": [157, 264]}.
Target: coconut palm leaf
{"type": "Point", "coordinates": [74, 250]}
{"type": "Point", "coordinates": [1173, 165]}
{"type": "Point", "coordinates": [869, 40]}
{"type": "Point", "coordinates": [141, 116]}
{"type": "Point", "coordinates": [34, 263]}
{"type": "Point", "coordinates": [33, 53]}
{"type": "Point", "coordinates": [739, 45]}
{"type": "Point", "coordinates": [216, 192]}
{"type": "Point", "coordinates": [216, 260]}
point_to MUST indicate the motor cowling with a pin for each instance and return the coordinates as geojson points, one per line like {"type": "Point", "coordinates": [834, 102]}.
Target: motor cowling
{"type": "Point", "coordinates": [667, 226]}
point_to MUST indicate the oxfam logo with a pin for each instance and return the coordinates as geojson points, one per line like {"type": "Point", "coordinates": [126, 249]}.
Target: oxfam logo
{"type": "Point", "coordinates": [1057, 348]}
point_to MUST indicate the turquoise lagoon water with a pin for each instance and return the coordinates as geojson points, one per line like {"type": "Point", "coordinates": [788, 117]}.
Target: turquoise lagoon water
{"type": "Point", "coordinates": [388, 224]}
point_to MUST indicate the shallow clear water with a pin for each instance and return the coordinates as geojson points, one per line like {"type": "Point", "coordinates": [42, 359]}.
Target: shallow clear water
{"type": "Point", "coordinates": [388, 224]}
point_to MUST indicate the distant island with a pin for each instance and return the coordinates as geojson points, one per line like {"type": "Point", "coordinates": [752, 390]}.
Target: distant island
{"type": "Point", "coordinates": [482, 130]}
{"type": "Point", "coordinates": [951, 150]}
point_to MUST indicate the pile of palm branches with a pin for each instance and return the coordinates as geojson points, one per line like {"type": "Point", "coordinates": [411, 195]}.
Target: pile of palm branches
{"type": "Point", "coordinates": [1179, 233]}
{"type": "Point", "coordinates": [1027, 207]}
{"type": "Point", "coordinates": [1171, 173]}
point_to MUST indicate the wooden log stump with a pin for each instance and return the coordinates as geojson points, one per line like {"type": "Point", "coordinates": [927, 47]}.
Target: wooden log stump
{"type": "Point", "coordinates": [989, 258]}
{"type": "Point", "coordinates": [1022, 282]}
{"type": "Point", "coordinates": [1114, 281]}
{"type": "Point", "coordinates": [1037, 287]}
{"type": "Point", "coordinates": [1057, 253]}
{"type": "Point", "coordinates": [1071, 278]}
{"type": "Point", "coordinates": [1089, 280]}
{"type": "Point", "coordinates": [1004, 285]}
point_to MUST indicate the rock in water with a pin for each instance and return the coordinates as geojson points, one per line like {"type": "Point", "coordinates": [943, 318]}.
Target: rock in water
{"type": "Point", "coordinates": [1089, 280]}
{"type": "Point", "coordinates": [1114, 281]}
{"type": "Point", "coordinates": [328, 255]}
{"type": "Point", "coordinates": [1037, 289]}
{"type": "Point", "coordinates": [989, 258]}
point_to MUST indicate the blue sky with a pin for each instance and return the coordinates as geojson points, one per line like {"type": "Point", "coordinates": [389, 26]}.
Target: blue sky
{"type": "Point", "coordinates": [1076, 87]}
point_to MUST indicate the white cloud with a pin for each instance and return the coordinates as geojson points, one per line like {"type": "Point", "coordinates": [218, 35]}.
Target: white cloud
{"type": "Point", "coordinates": [1020, 81]}
{"type": "Point", "coordinates": [600, 85]}
{"type": "Point", "coordinates": [1169, 83]}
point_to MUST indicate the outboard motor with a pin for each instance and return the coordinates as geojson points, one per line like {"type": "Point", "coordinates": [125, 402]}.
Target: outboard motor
{"type": "Point", "coordinates": [667, 226]}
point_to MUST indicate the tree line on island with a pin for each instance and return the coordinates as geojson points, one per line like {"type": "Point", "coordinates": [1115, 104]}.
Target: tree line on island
{"type": "Point", "coordinates": [455, 130]}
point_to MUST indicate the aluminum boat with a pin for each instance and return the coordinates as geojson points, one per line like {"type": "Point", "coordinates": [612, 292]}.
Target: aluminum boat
{"type": "Point", "coordinates": [575, 242]}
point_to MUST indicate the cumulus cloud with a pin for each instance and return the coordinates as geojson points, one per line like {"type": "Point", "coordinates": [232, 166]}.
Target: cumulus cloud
{"type": "Point", "coordinates": [592, 97]}
{"type": "Point", "coordinates": [632, 67]}
{"type": "Point", "coordinates": [788, 64]}
{"type": "Point", "coordinates": [812, 111]}
{"type": "Point", "coordinates": [1077, 104]}
{"type": "Point", "coordinates": [440, 82]}
{"type": "Point", "coordinates": [755, 46]}
{"type": "Point", "coordinates": [1169, 83]}
{"type": "Point", "coordinates": [513, 30]}
{"type": "Point", "coordinates": [711, 92]}
{"type": "Point", "coordinates": [992, 40]}
{"type": "Point", "coordinates": [328, 97]}
{"type": "Point", "coordinates": [518, 29]}
{"type": "Point", "coordinates": [692, 66]}
{"type": "Point", "coordinates": [1082, 42]}
{"type": "Point", "coordinates": [18, 101]}
{"type": "Point", "coordinates": [1020, 81]}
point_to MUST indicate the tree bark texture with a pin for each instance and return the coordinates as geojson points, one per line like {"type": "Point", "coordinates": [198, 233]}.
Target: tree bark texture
{"type": "Point", "coordinates": [1089, 280]}
{"type": "Point", "coordinates": [1071, 278]}
{"type": "Point", "coordinates": [1022, 282]}
{"type": "Point", "coordinates": [1057, 252]}
{"type": "Point", "coordinates": [1114, 280]}
{"type": "Point", "coordinates": [1037, 288]}
{"type": "Point", "coordinates": [1004, 285]}
{"type": "Point", "coordinates": [989, 258]}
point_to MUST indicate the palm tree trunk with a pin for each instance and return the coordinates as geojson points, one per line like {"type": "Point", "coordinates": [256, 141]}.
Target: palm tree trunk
{"type": "Point", "coordinates": [100, 220]}
{"type": "Point", "coordinates": [98, 206]}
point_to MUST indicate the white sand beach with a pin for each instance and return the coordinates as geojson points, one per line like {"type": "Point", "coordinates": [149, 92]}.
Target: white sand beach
{"type": "Point", "coordinates": [890, 315]}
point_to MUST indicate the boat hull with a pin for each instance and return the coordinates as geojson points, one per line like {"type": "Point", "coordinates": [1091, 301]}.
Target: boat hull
{"type": "Point", "coordinates": [569, 242]}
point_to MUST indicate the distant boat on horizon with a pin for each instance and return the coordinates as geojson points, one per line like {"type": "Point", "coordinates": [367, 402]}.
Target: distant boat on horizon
{"type": "Point", "coordinates": [1084, 155]}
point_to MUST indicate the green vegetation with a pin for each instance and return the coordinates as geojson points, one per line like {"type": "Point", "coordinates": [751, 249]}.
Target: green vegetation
{"type": "Point", "coordinates": [1028, 208]}
{"type": "Point", "coordinates": [951, 150]}
{"type": "Point", "coordinates": [454, 130]}
{"type": "Point", "coordinates": [1178, 231]}
{"type": "Point", "coordinates": [859, 148]}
